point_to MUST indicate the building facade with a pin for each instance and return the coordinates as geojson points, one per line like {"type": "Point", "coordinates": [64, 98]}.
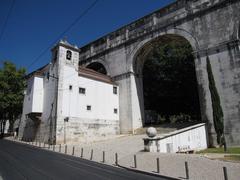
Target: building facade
{"type": "Point", "coordinates": [211, 27]}
{"type": "Point", "coordinates": [64, 102]}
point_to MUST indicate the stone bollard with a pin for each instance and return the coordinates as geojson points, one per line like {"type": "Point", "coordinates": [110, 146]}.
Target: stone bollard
{"type": "Point", "coordinates": [187, 170]}
{"type": "Point", "coordinates": [73, 151]}
{"type": "Point", "coordinates": [225, 173]}
{"type": "Point", "coordinates": [158, 166]}
{"type": "Point", "coordinates": [91, 157]}
{"type": "Point", "coordinates": [59, 147]}
{"type": "Point", "coordinates": [65, 149]}
{"type": "Point", "coordinates": [116, 159]}
{"type": "Point", "coordinates": [135, 161]}
{"type": "Point", "coordinates": [103, 160]}
{"type": "Point", "coordinates": [81, 153]}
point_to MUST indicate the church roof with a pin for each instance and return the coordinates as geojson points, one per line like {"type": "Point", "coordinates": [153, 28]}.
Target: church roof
{"type": "Point", "coordinates": [91, 74]}
{"type": "Point", "coordinates": [39, 72]}
{"type": "Point", "coordinates": [66, 44]}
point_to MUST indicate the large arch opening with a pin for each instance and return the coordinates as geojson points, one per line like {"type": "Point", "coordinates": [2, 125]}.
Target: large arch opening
{"type": "Point", "coordinates": [96, 66]}
{"type": "Point", "coordinates": [169, 85]}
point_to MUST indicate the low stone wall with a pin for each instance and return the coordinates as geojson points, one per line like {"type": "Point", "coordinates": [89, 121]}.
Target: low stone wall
{"type": "Point", "coordinates": [85, 130]}
{"type": "Point", "coordinates": [187, 139]}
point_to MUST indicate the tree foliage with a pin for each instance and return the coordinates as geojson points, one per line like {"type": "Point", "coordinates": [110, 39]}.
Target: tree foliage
{"type": "Point", "coordinates": [170, 85]}
{"type": "Point", "coordinates": [12, 85]}
{"type": "Point", "coordinates": [216, 105]}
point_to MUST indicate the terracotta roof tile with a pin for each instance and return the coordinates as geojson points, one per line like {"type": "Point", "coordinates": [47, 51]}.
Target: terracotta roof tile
{"type": "Point", "coordinates": [89, 73]}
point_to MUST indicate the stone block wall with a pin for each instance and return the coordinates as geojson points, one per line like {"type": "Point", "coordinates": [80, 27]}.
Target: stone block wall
{"type": "Point", "coordinates": [85, 130]}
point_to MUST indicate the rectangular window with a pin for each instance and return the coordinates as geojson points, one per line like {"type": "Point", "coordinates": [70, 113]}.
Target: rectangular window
{"type": "Point", "coordinates": [82, 90]}
{"type": "Point", "coordinates": [114, 90]}
{"type": "Point", "coordinates": [89, 107]}
{"type": "Point", "coordinates": [115, 110]}
{"type": "Point", "coordinates": [70, 87]}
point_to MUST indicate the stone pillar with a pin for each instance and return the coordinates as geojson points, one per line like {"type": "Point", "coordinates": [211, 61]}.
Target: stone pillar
{"type": "Point", "coordinates": [137, 101]}
{"type": "Point", "coordinates": [130, 100]}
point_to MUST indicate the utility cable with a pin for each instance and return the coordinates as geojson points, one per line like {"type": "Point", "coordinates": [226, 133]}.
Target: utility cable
{"type": "Point", "coordinates": [6, 21]}
{"type": "Point", "coordinates": [64, 32]}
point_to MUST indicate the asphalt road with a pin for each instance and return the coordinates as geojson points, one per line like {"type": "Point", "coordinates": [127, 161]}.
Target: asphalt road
{"type": "Point", "coordinates": [21, 161]}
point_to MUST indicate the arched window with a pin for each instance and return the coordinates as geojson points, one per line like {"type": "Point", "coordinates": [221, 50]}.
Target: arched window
{"type": "Point", "coordinates": [96, 66]}
{"type": "Point", "coordinates": [69, 55]}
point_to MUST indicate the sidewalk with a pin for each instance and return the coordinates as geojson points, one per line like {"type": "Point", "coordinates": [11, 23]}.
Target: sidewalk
{"type": "Point", "coordinates": [173, 165]}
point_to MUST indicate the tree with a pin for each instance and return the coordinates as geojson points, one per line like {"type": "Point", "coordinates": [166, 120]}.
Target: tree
{"type": "Point", "coordinates": [170, 85]}
{"type": "Point", "coordinates": [216, 106]}
{"type": "Point", "coordinates": [12, 84]}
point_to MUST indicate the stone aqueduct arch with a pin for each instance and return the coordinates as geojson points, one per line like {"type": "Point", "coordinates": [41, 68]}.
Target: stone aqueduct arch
{"type": "Point", "coordinates": [212, 29]}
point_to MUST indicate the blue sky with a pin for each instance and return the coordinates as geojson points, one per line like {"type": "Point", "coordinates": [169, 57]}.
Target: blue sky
{"type": "Point", "coordinates": [34, 25]}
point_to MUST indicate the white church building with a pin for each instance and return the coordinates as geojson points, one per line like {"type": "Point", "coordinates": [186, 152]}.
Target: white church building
{"type": "Point", "coordinates": [65, 102]}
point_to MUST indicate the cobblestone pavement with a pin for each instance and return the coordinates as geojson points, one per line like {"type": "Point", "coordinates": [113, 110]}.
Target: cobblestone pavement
{"type": "Point", "coordinates": [173, 165]}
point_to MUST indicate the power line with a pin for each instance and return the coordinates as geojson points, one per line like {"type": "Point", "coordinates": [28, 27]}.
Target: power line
{"type": "Point", "coordinates": [63, 33]}
{"type": "Point", "coordinates": [5, 22]}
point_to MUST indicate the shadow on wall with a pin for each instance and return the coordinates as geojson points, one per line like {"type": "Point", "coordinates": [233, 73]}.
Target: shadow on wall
{"type": "Point", "coordinates": [31, 129]}
{"type": "Point", "coordinates": [228, 132]}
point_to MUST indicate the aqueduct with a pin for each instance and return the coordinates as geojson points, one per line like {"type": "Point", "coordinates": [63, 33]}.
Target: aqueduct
{"type": "Point", "coordinates": [212, 29]}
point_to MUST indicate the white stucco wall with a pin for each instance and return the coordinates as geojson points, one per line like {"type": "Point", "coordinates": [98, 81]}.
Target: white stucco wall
{"type": "Point", "coordinates": [83, 124]}
{"type": "Point", "coordinates": [99, 95]}
{"type": "Point", "coordinates": [27, 104]}
{"type": "Point", "coordinates": [33, 103]}
{"type": "Point", "coordinates": [187, 139]}
{"type": "Point", "coordinates": [192, 138]}
{"type": "Point", "coordinates": [43, 94]}
{"type": "Point", "coordinates": [33, 99]}
{"type": "Point", "coordinates": [49, 105]}
{"type": "Point", "coordinates": [37, 98]}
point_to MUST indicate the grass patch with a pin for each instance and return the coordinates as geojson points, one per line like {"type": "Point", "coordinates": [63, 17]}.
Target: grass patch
{"type": "Point", "coordinates": [230, 150]}
{"type": "Point", "coordinates": [235, 158]}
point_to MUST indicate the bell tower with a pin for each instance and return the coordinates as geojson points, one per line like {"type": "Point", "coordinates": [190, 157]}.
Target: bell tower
{"type": "Point", "coordinates": [65, 59]}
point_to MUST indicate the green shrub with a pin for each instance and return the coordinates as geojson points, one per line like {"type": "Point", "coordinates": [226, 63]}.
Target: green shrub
{"type": "Point", "coordinates": [216, 105]}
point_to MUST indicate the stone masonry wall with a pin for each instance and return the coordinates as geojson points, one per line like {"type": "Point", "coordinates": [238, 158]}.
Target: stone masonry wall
{"type": "Point", "coordinates": [210, 26]}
